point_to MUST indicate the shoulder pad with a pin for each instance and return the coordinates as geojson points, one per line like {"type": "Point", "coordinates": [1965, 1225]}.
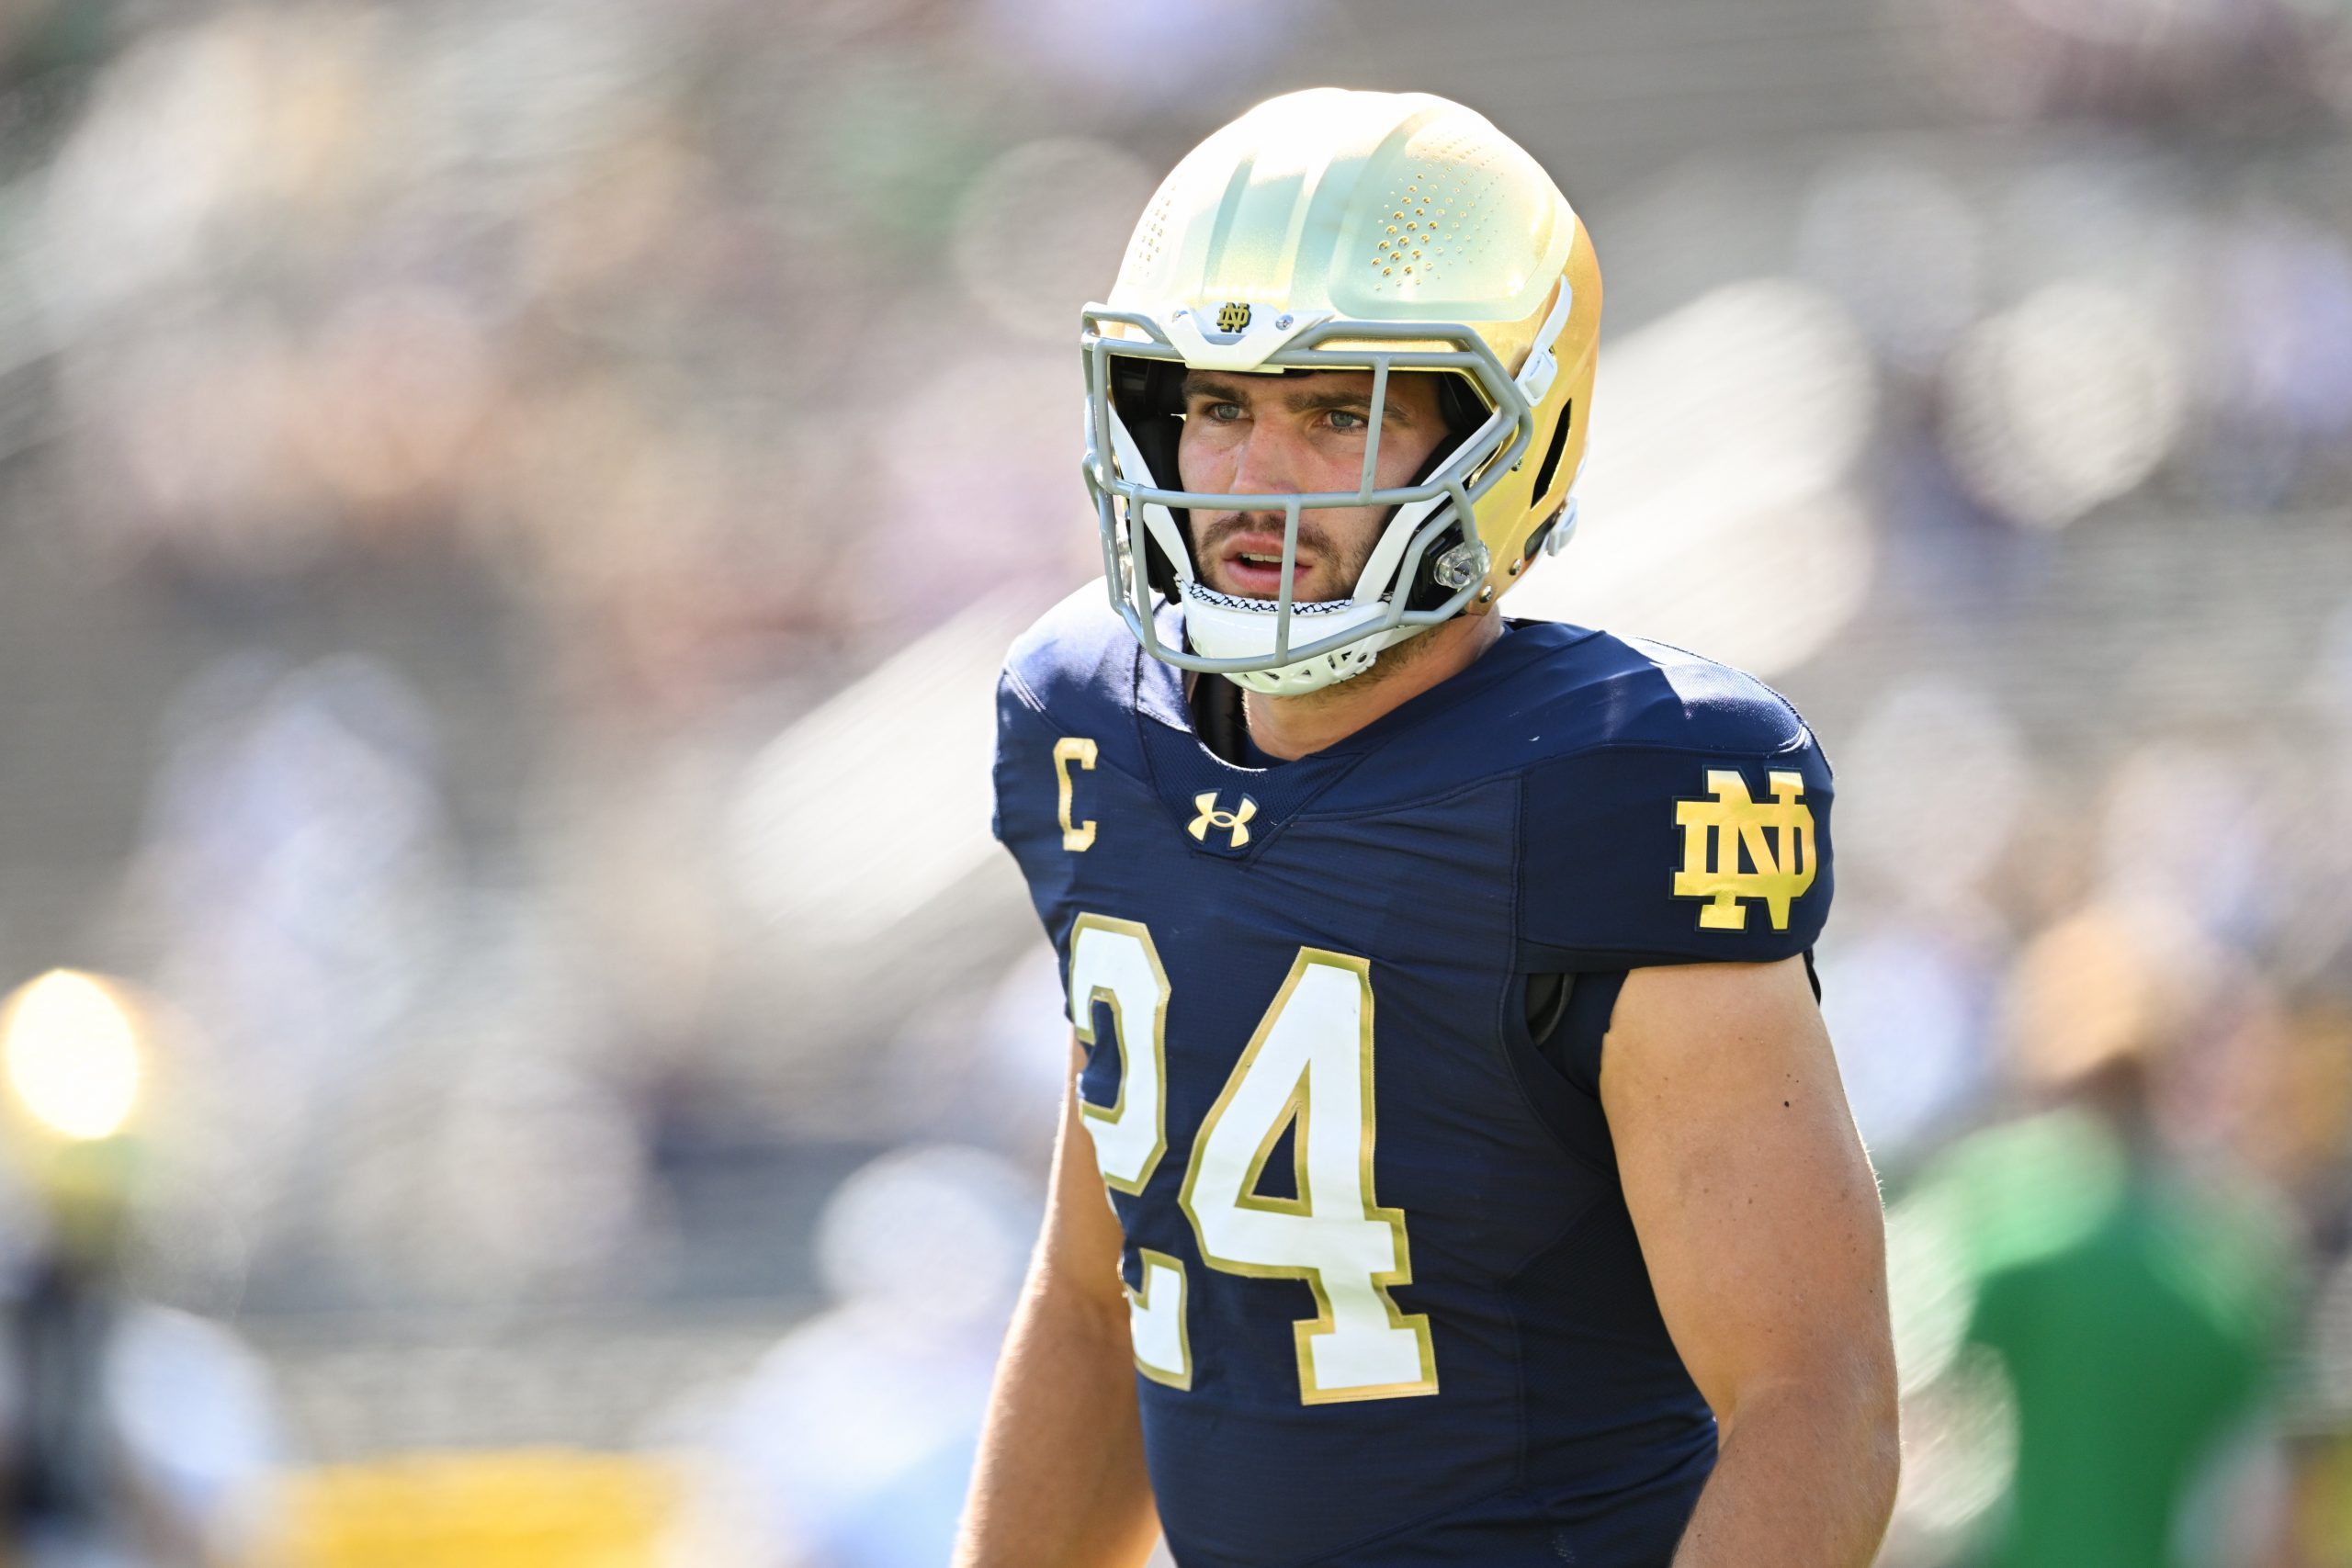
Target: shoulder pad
{"type": "Point", "coordinates": [1612, 691]}
{"type": "Point", "coordinates": [1076, 656]}
{"type": "Point", "coordinates": [1692, 826]}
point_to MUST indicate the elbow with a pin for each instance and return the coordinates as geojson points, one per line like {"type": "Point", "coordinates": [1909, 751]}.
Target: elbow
{"type": "Point", "coordinates": [1866, 1407]}
{"type": "Point", "coordinates": [1842, 1410]}
{"type": "Point", "coordinates": [1878, 1444]}
{"type": "Point", "coordinates": [1861, 1426]}
{"type": "Point", "coordinates": [1088, 1304]}
{"type": "Point", "coordinates": [1881, 1466]}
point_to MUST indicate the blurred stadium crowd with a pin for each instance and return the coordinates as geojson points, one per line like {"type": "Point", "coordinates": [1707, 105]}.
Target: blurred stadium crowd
{"type": "Point", "coordinates": [509, 512]}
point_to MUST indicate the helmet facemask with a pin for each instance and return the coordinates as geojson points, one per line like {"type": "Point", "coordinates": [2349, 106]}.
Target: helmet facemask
{"type": "Point", "coordinates": [1427, 563]}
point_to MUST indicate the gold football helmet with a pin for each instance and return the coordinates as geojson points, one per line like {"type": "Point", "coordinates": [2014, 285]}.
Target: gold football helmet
{"type": "Point", "coordinates": [1331, 230]}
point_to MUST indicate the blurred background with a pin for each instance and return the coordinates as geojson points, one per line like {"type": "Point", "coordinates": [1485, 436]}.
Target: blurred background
{"type": "Point", "coordinates": [500, 499]}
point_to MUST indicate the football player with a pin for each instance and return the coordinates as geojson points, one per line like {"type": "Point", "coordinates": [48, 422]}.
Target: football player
{"type": "Point", "coordinates": [1480, 1186]}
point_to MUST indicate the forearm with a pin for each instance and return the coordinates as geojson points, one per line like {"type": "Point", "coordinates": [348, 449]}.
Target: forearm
{"type": "Point", "coordinates": [1061, 1480]}
{"type": "Point", "coordinates": [1806, 1479]}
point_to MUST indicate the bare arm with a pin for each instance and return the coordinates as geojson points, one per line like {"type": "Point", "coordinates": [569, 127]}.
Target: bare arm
{"type": "Point", "coordinates": [1760, 1223]}
{"type": "Point", "coordinates": [1060, 1482]}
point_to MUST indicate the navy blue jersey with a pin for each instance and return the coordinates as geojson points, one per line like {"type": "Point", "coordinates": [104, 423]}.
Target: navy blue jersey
{"type": "Point", "coordinates": [1388, 1307]}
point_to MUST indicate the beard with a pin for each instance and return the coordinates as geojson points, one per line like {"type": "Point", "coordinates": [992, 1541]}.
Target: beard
{"type": "Point", "coordinates": [1339, 565]}
{"type": "Point", "coordinates": [1345, 566]}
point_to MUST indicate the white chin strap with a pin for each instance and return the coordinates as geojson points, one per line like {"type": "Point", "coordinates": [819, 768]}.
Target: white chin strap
{"type": "Point", "coordinates": [1222, 626]}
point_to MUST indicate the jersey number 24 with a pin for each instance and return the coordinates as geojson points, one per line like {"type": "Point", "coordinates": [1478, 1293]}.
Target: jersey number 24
{"type": "Point", "coordinates": [1307, 1067]}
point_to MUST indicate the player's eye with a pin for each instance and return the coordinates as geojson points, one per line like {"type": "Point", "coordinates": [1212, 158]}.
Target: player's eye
{"type": "Point", "coordinates": [1222, 414]}
{"type": "Point", "coordinates": [1343, 419]}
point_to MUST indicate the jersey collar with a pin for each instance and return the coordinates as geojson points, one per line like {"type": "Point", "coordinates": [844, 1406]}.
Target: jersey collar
{"type": "Point", "coordinates": [1160, 687]}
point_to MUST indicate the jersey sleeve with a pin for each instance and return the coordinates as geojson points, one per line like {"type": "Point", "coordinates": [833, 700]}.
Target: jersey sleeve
{"type": "Point", "coordinates": [1005, 777]}
{"type": "Point", "coordinates": [1679, 853]}
{"type": "Point", "coordinates": [1031, 777]}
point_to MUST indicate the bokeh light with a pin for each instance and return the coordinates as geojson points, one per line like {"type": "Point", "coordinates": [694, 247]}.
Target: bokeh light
{"type": "Point", "coordinates": [1897, 770]}
{"type": "Point", "coordinates": [73, 1050]}
{"type": "Point", "coordinates": [1902, 248]}
{"type": "Point", "coordinates": [2068, 400]}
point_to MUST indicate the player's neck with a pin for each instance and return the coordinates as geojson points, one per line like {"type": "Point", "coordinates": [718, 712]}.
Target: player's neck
{"type": "Point", "coordinates": [1291, 728]}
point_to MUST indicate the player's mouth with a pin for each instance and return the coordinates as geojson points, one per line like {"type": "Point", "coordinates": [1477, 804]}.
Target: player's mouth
{"type": "Point", "coordinates": [1250, 565]}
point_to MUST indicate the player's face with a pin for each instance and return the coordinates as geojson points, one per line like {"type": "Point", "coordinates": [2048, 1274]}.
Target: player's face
{"type": "Point", "coordinates": [1250, 434]}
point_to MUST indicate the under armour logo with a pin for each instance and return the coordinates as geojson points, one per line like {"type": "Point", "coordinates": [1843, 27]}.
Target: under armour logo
{"type": "Point", "coordinates": [1777, 836]}
{"type": "Point", "coordinates": [1233, 315]}
{"type": "Point", "coordinates": [1234, 822]}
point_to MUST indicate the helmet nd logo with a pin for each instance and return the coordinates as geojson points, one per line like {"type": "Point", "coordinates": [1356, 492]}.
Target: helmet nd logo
{"type": "Point", "coordinates": [1236, 823]}
{"type": "Point", "coordinates": [1772, 839]}
{"type": "Point", "coordinates": [1233, 315]}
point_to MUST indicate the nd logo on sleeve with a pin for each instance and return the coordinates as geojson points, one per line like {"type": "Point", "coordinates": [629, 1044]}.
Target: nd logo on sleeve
{"type": "Point", "coordinates": [1736, 847]}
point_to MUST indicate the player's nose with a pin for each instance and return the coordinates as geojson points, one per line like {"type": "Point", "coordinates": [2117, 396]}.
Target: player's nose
{"type": "Point", "coordinates": [1266, 463]}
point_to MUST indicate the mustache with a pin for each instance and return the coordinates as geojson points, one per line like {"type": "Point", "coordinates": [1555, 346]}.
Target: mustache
{"type": "Point", "coordinates": [1223, 526]}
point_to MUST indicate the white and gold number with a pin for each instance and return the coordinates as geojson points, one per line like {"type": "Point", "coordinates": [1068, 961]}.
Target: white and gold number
{"type": "Point", "coordinates": [1308, 1067]}
{"type": "Point", "coordinates": [1156, 1320]}
{"type": "Point", "coordinates": [1114, 962]}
